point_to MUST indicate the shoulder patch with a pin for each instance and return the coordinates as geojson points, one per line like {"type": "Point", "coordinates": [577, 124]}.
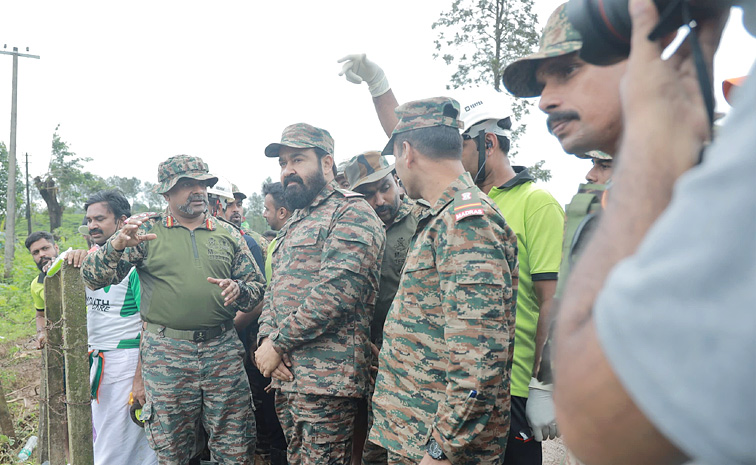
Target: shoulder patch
{"type": "Point", "coordinates": [348, 193]}
{"type": "Point", "coordinates": [467, 203]}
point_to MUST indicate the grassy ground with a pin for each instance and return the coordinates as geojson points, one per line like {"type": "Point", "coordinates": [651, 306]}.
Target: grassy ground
{"type": "Point", "coordinates": [19, 362]}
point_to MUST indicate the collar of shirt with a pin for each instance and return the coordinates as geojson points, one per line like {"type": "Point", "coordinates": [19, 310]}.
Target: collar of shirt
{"type": "Point", "coordinates": [464, 181]}
{"type": "Point", "coordinates": [170, 221]}
{"type": "Point", "coordinates": [324, 193]}
{"type": "Point", "coordinates": [522, 176]}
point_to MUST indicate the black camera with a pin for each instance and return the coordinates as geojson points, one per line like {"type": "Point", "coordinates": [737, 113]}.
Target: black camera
{"type": "Point", "coordinates": [605, 25]}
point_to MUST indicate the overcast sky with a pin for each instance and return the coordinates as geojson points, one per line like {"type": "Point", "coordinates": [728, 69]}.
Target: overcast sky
{"type": "Point", "coordinates": [133, 83]}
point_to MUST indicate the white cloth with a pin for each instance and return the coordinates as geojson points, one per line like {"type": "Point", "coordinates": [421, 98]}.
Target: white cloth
{"type": "Point", "coordinates": [677, 320]}
{"type": "Point", "coordinates": [117, 440]}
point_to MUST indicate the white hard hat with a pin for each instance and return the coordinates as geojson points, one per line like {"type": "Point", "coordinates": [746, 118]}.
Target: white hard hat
{"type": "Point", "coordinates": [482, 109]}
{"type": "Point", "coordinates": [223, 189]}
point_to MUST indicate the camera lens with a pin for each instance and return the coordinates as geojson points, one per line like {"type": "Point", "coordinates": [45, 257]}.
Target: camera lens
{"type": "Point", "coordinates": [605, 28]}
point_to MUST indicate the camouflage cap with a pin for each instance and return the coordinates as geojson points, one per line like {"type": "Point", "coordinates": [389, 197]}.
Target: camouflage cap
{"type": "Point", "coordinates": [366, 168]}
{"type": "Point", "coordinates": [182, 166]}
{"type": "Point", "coordinates": [427, 113]}
{"type": "Point", "coordinates": [594, 154]}
{"type": "Point", "coordinates": [303, 136]}
{"type": "Point", "coordinates": [559, 38]}
{"type": "Point", "coordinates": [237, 193]}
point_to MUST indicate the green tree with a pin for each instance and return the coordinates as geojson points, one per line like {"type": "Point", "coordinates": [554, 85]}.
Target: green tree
{"type": "Point", "coordinates": [66, 184]}
{"type": "Point", "coordinates": [479, 38]}
{"type": "Point", "coordinates": [254, 210]}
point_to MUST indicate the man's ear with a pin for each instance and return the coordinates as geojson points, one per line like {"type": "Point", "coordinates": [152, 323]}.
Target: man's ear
{"type": "Point", "coordinates": [410, 154]}
{"type": "Point", "coordinates": [121, 221]}
{"type": "Point", "coordinates": [492, 143]}
{"type": "Point", "coordinates": [327, 163]}
{"type": "Point", "coordinates": [166, 197]}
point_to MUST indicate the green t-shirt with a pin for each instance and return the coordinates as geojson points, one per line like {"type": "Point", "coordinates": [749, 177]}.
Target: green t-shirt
{"type": "Point", "coordinates": [538, 221]}
{"type": "Point", "coordinates": [269, 260]}
{"type": "Point", "coordinates": [37, 289]}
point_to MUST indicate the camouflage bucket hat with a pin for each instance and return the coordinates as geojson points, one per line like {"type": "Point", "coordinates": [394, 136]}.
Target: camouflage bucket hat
{"type": "Point", "coordinates": [427, 113]}
{"type": "Point", "coordinates": [594, 154]}
{"type": "Point", "coordinates": [366, 168]}
{"type": "Point", "coordinates": [237, 193]}
{"type": "Point", "coordinates": [559, 38]}
{"type": "Point", "coordinates": [303, 136]}
{"type": "Point", "coordinates": [182, 166]}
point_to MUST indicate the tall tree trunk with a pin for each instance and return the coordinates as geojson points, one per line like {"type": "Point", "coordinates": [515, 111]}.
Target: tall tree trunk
{"type": "Point", "coordinates": [49, 192]}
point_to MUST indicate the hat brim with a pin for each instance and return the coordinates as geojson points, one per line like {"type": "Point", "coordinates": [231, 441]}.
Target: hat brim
{"type": "Point", "coordinates": [594, 155]}
{"type": "Point", "coordinates": [519, 77]}
{"type": "Point", "coordinates": [374, 176]}
{"type": "Point", "coordinates": [272, 150]}
{"type": "Point", "coordinates": [389, 148]}
{"type": "Point", "coordinates": [165, 186]}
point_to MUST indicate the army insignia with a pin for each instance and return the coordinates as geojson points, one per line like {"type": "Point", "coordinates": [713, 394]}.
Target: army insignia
{"type": "Point", "coordinates": [349, 194]}
{"type": "Point", "coordinates": [467, 203]}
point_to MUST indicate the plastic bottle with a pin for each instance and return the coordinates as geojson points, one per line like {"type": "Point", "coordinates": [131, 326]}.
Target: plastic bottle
{"type": "Point", "coordinates": [26, 452]}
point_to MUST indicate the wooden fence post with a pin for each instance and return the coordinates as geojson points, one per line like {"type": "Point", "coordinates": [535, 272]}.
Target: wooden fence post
{"type": "Point", "coordinates": [43, 449]}
{"type": "Point", "coordinates": [77, 367]}
{"type": "Point", "coordinates": [6, 420]}
{"type": "Point", "coordinates": [53, 355]}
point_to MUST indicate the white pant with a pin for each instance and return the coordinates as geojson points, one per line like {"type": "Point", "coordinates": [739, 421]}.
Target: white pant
{"type": "Point", "coordinates": [117, 440]}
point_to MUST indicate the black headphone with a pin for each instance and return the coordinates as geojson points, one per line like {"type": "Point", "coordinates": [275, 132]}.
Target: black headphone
{"type": "Point", "coordinates": [489, 145]}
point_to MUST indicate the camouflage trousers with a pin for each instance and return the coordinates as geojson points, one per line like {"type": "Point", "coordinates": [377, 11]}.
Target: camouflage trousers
{"type": "Point", "coordinates": [318, 429]}
{"type": "Point", "coordinates": [396, 459]}
{"type": "Point", "coordinates": [190, 382]}
{"type": "Point", "coordinates": [373, 454]}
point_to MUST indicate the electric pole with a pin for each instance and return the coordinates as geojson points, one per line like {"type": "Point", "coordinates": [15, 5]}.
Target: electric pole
{"type": "Point", "coordinates": [10, 221]}
{"type": "Point", "coordinates": [28, 197]}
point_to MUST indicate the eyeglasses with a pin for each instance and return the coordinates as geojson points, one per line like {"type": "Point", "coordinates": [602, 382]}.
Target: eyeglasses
{"type": "Point", "coordinates": [466, 136]}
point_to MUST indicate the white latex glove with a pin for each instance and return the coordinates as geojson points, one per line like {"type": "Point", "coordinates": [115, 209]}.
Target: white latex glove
{"type": "Point", "coordinates": [540, 411]}
{"type": "Point", "coordinates": [358, 68]}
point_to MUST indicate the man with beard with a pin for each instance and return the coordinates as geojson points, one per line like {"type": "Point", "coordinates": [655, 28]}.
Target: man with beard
{"type": "Point", "coordinates": [114, 330]}
{"type": "Point", "coordinates": [44, 251]}
{"type": "Point", "coordinates": [315, 328]}
{"type": "Point", "coordinates": [371, 175]}
{"type": "Point", "coordinates": [195, 273]}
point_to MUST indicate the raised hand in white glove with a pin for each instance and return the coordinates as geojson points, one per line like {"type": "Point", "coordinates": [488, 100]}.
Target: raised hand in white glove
{"type": "Point", "coordinates": [358, 68]}
{"type": "Point", "coordinates": [540, 411]}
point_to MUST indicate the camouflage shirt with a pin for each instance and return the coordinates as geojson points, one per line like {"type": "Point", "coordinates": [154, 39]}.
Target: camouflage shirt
{"type": "Point", "coordinates": [398, 237]}
{"type": "Point", "coordinates": [321, 296]}
{"type": "Point", "coordinates": [448, 342]}
{"type": "Point", "coordinates": [173, 270]}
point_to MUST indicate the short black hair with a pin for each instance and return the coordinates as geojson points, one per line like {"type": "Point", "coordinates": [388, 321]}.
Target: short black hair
{"type": "Point", "coordinates": [438, 142]}
{"type": "Point", "coordinates": [276, 192]}
{"type": "Point", "coordinates": [504, 143]}
{"type": "Point", "coordinates": [117, 203]}
{"type": "Point", "coordinates": [37, 235]}
{"type": "Point", "coordinates": [270, 234]}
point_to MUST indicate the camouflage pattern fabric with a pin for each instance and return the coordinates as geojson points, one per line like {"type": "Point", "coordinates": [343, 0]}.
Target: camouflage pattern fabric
{"type": "Point", "coordinates": [594, 154]}
{"type": "Point", "coordinates": [581, 219]}
{"type": "Point", "coordinates": [398, 237]}
{"type": "Point", "coordinates": [182, 166]}
{"type": "Point", "coordinates": [319, 429]}
{"type": "Point", "coordinates": [366, 168]}
{"type": "Point", "coordinates": [303, 136]}
{"type": "Point", "coordinates": [448, 344]}
{"type": "Point", "coordinates": [426, 113]}
{"type": "Point", "coordinates": [186, 382]}
{"type": "Point", "coordinates": [169, 263]}
{"type": "Point", "coordinates": [321, 297]}
{"type": "Point", "coordinates": [396, 459]}
{"type": "Point", "coordinates": [559, 38]}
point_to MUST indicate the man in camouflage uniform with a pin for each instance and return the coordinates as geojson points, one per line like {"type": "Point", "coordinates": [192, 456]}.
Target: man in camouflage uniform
{"type": "Point", "coordinates": [314, 331]}
{"type": "Point", "coordinates": [442, 392]}
{"type": "Point", "coordinates": [195, 273]}
{"type": "Point", "coordinates": [371, 175]}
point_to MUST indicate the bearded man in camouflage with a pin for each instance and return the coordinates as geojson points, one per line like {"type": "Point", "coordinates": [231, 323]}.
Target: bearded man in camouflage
{"type": "Point", "coordinates": [442, 393]}
{"type": "Point", "coordinates": [315, 327]}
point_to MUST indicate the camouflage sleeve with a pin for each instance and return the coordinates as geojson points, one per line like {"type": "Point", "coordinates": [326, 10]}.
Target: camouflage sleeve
{"type": "Point", "coordinates": [248, 276]}
{"type": "Point", "coordinates": [265, 321]}
{"type": "Point", "coordinates": [350, 265]}
{"type": "Point", "coordinates": [107, 266]}
{"type": "Point", "coordinates": [478, 303]}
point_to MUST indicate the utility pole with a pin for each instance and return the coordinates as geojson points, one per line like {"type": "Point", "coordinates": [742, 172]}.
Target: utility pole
{"type": "Point", "coordinates": [28, 197]}
{"type": "Point", "coordinates": [10, 221]}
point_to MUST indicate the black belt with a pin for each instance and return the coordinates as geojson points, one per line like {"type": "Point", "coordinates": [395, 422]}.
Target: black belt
{"type": "Point", "coordinates": [200, 335]}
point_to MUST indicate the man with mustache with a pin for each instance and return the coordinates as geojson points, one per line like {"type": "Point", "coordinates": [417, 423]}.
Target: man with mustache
{"type": "Point", "coordinates": [315, 327]}
{"type": "Point", "coordinates": [44, 250]}
{"type": "Point", "coordinates": [371, 175]}
{"type": "Point", "coordinates": [114, 330]}
{"type": "Point", "coordinates": [196, 272]}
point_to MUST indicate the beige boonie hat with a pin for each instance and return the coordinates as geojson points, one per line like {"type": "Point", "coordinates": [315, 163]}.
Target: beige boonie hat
{"type": "Point", "coordinates": [302, 136]}
{"type": "Point", "coordinates": [182, 166]}
{"type": "Point", "coordinates": [366, 168]}
{"type": "Point", "coordinates": [559, 38]}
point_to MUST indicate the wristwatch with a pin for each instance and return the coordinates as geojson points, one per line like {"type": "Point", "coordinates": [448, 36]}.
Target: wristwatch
{"type": "Point", "coordinates": [434, 450]}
